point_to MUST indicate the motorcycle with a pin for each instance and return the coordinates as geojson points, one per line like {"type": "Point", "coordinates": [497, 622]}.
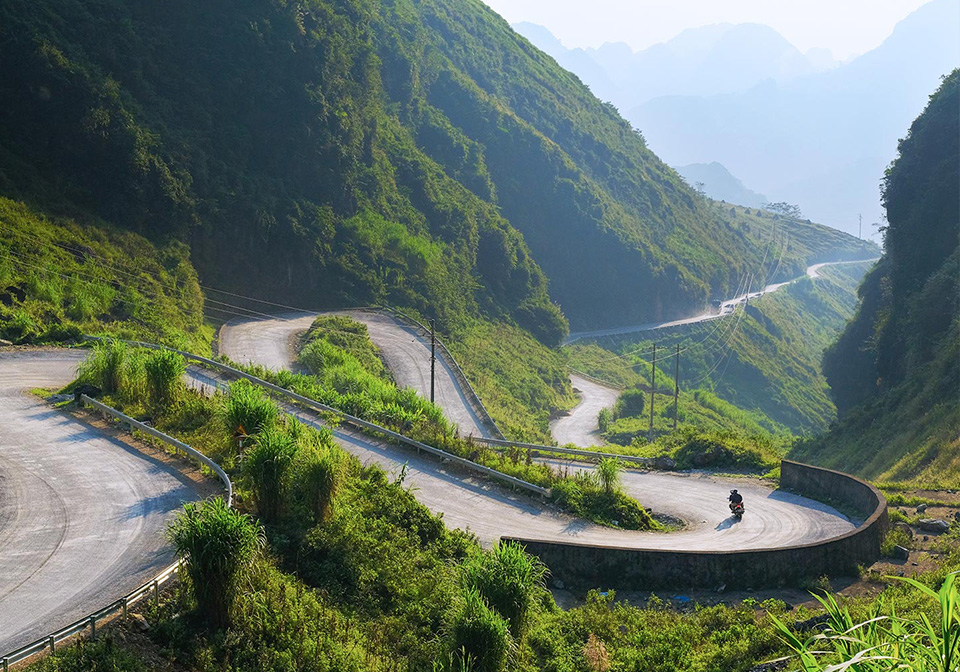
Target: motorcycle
{"type": "Point", "coordinates": [736, 508]}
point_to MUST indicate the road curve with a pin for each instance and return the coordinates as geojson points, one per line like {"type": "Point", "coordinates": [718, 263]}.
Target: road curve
{"type": "Point", "coordinates": [82, 515]}
{"type": "Point", "coordinates": [726, 307]}
{"type": "Point", "coordinates": [405, 350]}
{"type": "Point", "coordinates": [586, 432]}
{"type": "Point", "coordinates": [774, 518]}
{"type": "Point", "coordinates": [580, 426]}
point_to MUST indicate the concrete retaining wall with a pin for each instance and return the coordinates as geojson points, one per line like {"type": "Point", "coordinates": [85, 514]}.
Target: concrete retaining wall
{"type": "Point", "coordinates": [587, 566]}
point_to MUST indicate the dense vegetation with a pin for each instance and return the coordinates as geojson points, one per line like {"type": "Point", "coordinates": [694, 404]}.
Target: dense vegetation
{"type": "Point", "coordinates": [755, 371]}
{"type": "Point", "coordinates": [352, 379]}
{"type": "Point", "coordinates": [370, 580]}
{"type": "Point", "coordinates": [413, 153]}
{"type": "Point", "coordinates": [894, 372]}
{"type": "Point", "coordinates": [59, 279]}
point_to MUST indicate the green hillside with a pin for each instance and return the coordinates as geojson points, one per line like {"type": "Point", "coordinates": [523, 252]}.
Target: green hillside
{"type": "Point", "coordinates": [764, 361]}
{"type": "Point", "coordinates": [60, 279]}
{"type": "Point", "coordinates": [414, 153]}
{"type": "Point", "coordinates": [895, 370]}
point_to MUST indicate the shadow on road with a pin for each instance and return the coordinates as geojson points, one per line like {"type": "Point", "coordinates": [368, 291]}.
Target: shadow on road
{"type": "Point", "coordinates": [727, 524]}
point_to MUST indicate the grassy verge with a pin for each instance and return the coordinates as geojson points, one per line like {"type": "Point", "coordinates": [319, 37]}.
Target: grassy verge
{"type": "Point", "coordinates": [60, 279]}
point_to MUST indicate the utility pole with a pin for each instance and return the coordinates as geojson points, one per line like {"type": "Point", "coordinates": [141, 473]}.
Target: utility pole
{"type": "Point", "coordinates": [653, 387]}
{"type": "Point", "coordinates": [433, 355]}
{"type": "Point", "coordinates": [860, 230]}
{"type": "Point", "coordinates": [676, 389]}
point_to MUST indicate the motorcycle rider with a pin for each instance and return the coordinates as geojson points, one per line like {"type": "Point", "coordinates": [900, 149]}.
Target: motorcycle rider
{"type": "Point", "coordinates": [735, 498]}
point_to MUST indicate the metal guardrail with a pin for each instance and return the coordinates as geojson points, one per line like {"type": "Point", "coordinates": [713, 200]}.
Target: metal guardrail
{"type": "Point", "coordinates": [89, 622]}
{"type": "Point", "coordinates": [357, 422]}
{"type": "Point", "coordinates": [472, 395]}
{"type": "Point", "coordinates": [180, 446]}
{"type": "Point", "coordinates": [646, 461]}
{"type": "Point", "coordinates": [595, 379]}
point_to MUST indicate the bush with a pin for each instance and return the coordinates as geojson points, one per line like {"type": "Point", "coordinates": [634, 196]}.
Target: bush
{"type": "Point", "coordinates": [608, 472]}
{"type": "Point", "coordinates": [247, 409]}
{"type": "Point", "coordinates": [509, 579]}
{"type": "Point", "coordinates": [267, 466]}
{"type": "Point", "coordinates": [115, 368]}
{"type": "Point", "coordinates": [630, 403]}
{"type": "Point", "coordinates": [319, 474]}
{"type": "Point", "coordinates": [479, 634]}
{"type": "Point", "coordinates": [164, 376]}
{"type": "Point", "coordinates": [218, 544]}
{"type": "Point", "coordinates": [603, 419]}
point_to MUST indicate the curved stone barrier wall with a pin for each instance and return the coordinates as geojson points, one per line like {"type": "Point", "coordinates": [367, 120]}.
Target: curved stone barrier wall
{"type": "Point", "coordinates": [587, 566]}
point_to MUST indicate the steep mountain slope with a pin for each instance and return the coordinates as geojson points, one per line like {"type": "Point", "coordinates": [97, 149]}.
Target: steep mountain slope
{"type": "Point", "coordinates": [895, 371]}
{"type": "Point", "coordinates": [417, 153]}
{"type": "Point", "coordinates": [820, 140]}
{"type": "Point", "coordinates": [765, 359]}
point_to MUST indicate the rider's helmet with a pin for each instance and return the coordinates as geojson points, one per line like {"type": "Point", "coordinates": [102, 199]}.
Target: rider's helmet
{"type": "Point", "coordinates": [733, 492]}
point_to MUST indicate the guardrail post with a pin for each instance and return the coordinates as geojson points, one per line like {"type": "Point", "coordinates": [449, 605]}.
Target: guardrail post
{"type": "Point", "coordinates": [124, 607]}
{"type": "Point", "coordinates": [156, 594]}
{"type": "Point", "coordinates": [53, 644]}
{"type": "Point", "coordinates": [93, 627]}
{"type": "Point", "coordinates": [6, 664]}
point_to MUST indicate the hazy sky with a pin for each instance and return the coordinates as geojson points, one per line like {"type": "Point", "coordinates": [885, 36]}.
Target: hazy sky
{"type": "Point", "coordinates": [845, 27]}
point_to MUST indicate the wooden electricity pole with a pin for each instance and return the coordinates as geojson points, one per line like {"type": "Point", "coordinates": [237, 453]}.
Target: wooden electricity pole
{"type": "Point", "coordinates": [653, 387]}
{"type": "Point", "coordinates": [676, 388]}
{"type": "Point", "coordinates": [433, 355]}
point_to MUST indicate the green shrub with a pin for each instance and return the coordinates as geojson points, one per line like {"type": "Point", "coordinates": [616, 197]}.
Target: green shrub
{"type": "Point", "coordinates": [603, 419]}
{"type": "Point", "coordinates": [509, 580]}
{"type": "Point", "coordinates": [267, 465]}
{"type": "Point", "coordinates": [478, 633]}
{"type": "Point", "coordinates": [116, 368]}
{"type": "Point", "coordinates": [630, 403]}
{"type": "Point", "coordinates": [218, 544]}
{"type": "Point", "coordinates": [247, 409]}
{"type": "Point", "coordinates": [895, 536]}
{"type": "Point", "coordinates": [608, 473]}
{"type": "Point", "coordinates": [87, 656]}
{"type": "Point", "coordinates": [319, 475]}
{"type": "Point", "coordinates": [164, 376]}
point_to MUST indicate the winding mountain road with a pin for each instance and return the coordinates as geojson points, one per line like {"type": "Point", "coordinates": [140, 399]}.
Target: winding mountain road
{"type": "Point", "coordinates": [82, 515]}
{"type": "Point", "coordinates": [774, 518]}
{"type": "Point", "coordinates": [581, 427]}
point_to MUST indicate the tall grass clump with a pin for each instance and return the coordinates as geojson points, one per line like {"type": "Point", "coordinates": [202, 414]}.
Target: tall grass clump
{"type": "Point", "coordinates": [478, 637]}
{"type": "Point", "coordinates": [114, 367]}
{"type": "Point", "coordinates": [509, 580]}
{"type": "Point", "coordinates": [247, 409]}
{"type": "Point", "coordinates": [884, 643]}
{"type": "Point", "coordinates": [267, 466]}
{"type": "Point", "coordinates": [164, 377]}
{"type": "Point", "coordinates": [319, 474]}
{"type": "Point", "coordinates": [608, 473]}
{"type": "Point", "coordinates": [218, 544]}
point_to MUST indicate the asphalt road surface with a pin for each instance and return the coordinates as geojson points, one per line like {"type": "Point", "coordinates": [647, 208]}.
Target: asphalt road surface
{"type": "Point", "coordinates": [773, 518]}
{"type": "Point", "coordinates": [726, 307]}
{"type": "Point", "coordinates": [82, 515]}
{"type": "Point", "coordinates": [580, 426]}
{"type": "Point", "coordinates": [405, 350]}
{"type": "Point", "coordinates": [584, 430]}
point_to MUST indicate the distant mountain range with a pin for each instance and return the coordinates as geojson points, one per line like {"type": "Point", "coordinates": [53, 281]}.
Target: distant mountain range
{"type": "Point", "coordinates": [720, 184]}
{"type": "Point", "coordinates": [798, 127]}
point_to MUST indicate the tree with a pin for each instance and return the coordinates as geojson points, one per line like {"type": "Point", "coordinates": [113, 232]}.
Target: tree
{"type": "Point", "coordinates": [784, 209]}
{"type": "Point", "coordinates": [218, 545]}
